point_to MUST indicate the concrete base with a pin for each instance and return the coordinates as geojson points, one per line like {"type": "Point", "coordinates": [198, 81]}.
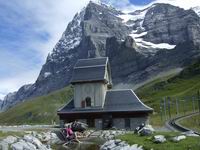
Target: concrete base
{"type": "Point", "coordinates": [119, 123]}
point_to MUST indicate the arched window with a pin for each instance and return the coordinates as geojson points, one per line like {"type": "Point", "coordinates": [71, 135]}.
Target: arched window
{"type": "Point", "coordinates": [88, 101]}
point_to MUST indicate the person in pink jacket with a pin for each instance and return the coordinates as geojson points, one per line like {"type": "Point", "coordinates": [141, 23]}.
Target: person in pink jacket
{"type": "Point", "coordinates": [70, 134]}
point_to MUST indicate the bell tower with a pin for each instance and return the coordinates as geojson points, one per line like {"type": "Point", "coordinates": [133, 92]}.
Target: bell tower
{"type": "Point", "coordinates": [91, 79]}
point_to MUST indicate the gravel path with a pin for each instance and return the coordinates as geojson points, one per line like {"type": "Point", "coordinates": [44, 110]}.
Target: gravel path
{"type": "Point", "coordinates": [26, 127]}
{"type": "Point", "coordinates": [174, 125]}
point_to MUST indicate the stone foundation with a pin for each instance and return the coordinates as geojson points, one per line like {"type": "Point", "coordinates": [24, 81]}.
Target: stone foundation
{"type": "Point", "coordinates": [135, 122]}
{"type": "Point", "coordinates": [119, 123]}
{"type": "Point", "coordinates": [98, 124]}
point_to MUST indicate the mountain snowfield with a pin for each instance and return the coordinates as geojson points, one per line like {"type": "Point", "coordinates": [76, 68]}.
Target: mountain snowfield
{"type": "Point", "coordinates": [197, 10]}
{"type": "Point", "coordinates": [139, 15]}
{"type": "Point", "coordinates": [140, 45]}
{"type": "Point", "coordinates": [69, 41]}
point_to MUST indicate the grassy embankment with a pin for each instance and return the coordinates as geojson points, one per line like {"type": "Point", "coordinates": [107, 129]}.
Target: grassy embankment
{"type": "Point", "coordinates": [190, 143]}
{"type": "Point", "coordinates": [181, 86]}
{"type": "Point", "coordinates": [40, 110]}
{"type": "Point", "coordinates": [4, 134]}
{"type": "Point", "coordinates": [192, 122]}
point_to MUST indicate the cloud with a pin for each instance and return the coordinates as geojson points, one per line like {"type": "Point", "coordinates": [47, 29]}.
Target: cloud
{"type": "Point", "coordinates": [14, 82]}
{"type": "Point", "coordinates": [47, 17]}
{"type": "Point", "coordinates": [2, 95]}
{"type": "Point", "coordinates": [118, 4]}
{"type": "Point", "coordinates": [127, 6]}
{"type": "Point", "coordinates": [28, 32]}
{"type": "Point", "coordinates": [186, 4]}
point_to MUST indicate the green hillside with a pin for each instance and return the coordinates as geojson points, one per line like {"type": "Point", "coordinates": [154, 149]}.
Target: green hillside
{"type": "Point", "coordinates": [182, 86]}
{"type": "Point", "coordinates": [40, 110]}
{"type": "Point", "coordinates": [186, 83]}
{"type": "Point", "coordinates": [152, 93]}
{"type": "Point", "coordinates": [191, 123]}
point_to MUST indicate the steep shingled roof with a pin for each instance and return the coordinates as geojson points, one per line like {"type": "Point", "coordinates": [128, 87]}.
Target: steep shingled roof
{"type": "Point", "coordinates": [115, 101]}
{"type": "Point", "coordinates": [124, 100]}
{"type": "Point", "coordinates": [90, 70]}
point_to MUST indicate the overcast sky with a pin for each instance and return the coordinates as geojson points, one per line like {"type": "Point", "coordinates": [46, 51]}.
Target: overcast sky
{"type": "Point", "coordinates": [29, 29]}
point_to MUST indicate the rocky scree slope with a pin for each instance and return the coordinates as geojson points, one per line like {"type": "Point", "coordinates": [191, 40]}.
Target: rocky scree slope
{"type": "Point", "coordinates": [140, 45]}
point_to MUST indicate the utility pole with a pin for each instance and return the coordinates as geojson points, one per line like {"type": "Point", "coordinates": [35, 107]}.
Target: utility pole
{"type": "Point", "coordinates": [193, 103]}
{"type": "Point", "coordinates": [169, 111]}
{"type": "Point", "coordinates": [161, 110]}
{"type": "Point", "coordinates": [177, 110]}
{"type": "Point", "coordinates": [184, 106]}
{"type": "Point", "coordinates": [198, 99]}
{"type": "Point", "coordinates": [165, 108]}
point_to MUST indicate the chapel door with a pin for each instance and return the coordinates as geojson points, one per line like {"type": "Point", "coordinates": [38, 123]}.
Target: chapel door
{"type": "Point", "coordinates": [107, 121]}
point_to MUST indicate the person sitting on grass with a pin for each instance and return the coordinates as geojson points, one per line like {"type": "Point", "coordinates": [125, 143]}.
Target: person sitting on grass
{"type": "Point", "coordinates": [71, 135]}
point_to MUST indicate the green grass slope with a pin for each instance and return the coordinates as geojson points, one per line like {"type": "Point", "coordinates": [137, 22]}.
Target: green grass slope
{"type": "Point", "coordinates": [192, 122]}
{"type": "Point", "coordinates": [190, 143]}
{"type": "Point", "coordinates": [152, 93]}
{"type": "Point", "coordinates": [182, 86]}
{"type": "Point", "coordinates": [40, 110]}
{"type": "Point", "coordinates": [186, 83]}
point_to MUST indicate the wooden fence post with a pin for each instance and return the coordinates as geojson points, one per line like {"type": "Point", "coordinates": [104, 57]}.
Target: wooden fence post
{"type": "Point", "coordinates": [161, 110]}
{"type": "Point", "coordinates": [184, 106]}
{"type": "Point", "coordinates": [198, 99]}
{"type": "Point", "coordinates": [165, 108]}
{"type": "Point", "coordinates": [177, 110]}
{"type": "Point", "coordinates": [193, 104]}
{"type": "Point", "coordinates": [169, 111]}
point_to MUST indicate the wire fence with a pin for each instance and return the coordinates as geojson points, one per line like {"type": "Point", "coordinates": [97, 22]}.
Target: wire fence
{"type": "Point", "coordinates": [171, 107]}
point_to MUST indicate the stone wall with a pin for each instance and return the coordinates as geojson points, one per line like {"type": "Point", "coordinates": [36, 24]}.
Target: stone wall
{"type": "Point", "coordinates": [119, 123]}
{"type": "Point", "coordinates": [135, 122]}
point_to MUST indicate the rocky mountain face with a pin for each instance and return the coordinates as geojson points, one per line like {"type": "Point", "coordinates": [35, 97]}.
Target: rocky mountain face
{"type": "Point", "coordinates": [1, 101]}
{"type": "Point", "coordinates": [140, 45]}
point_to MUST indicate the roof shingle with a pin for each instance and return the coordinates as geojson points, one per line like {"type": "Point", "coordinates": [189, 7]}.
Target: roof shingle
{"type": "Point", "coordinates": [101, 61]}
{"type": "Point", "coordinates": [89, 70]}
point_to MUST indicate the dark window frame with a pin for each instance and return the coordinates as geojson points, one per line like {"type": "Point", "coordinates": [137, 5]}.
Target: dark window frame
{"type": "Point", "coordinates": [88, 102]}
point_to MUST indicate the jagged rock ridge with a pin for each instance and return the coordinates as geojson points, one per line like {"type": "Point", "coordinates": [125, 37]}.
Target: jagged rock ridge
{"type": "Point", "coordinates": [139, 45]}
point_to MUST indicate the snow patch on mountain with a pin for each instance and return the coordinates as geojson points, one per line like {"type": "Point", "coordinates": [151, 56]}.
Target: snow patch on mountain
{"type": "Point", "coordinates": [149, 46]}
{"type": "Point", "coordinates": [197, 10]}
{"type": "Point", "coordinates": [135, 35]}
{"type": "Point", "coordinates": [46, 74]}
{"type": "Point", "coordinates": [2, 96]}
{"type": "Point", "coordinates": [146, 44]}
{"type": "Point", "coordinates": [133, 16]}
{"type": "Point", "coordinates": [70, 39]}
{"type": "Point", "coordinates": [27, 87]}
